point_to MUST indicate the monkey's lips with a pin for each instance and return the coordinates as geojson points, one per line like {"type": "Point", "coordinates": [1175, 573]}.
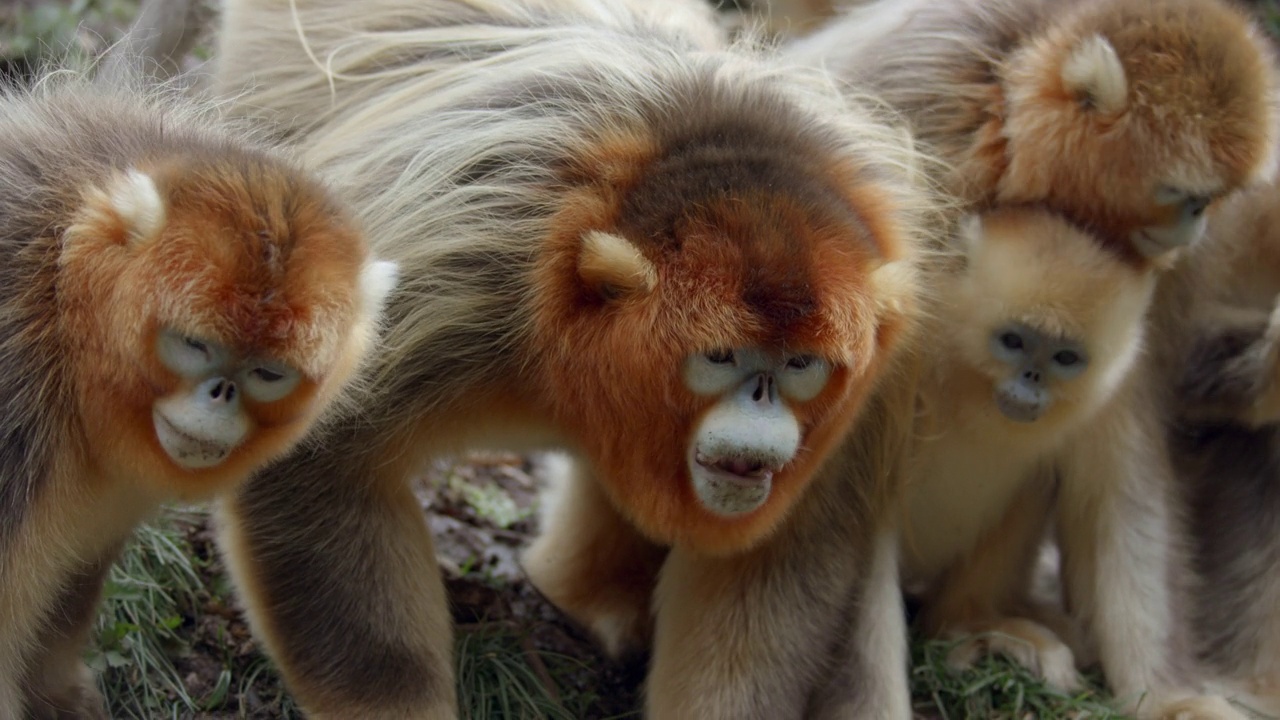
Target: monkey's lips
{"type": "Point", "coordinates": [731, 485]}
{"type": "Point", "coordinates": [1153, 243]}
{"type": "Point", "coordinates": [188, 451]}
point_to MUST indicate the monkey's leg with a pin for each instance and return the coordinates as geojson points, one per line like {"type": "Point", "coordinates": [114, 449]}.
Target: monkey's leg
{"type": "Point", "coordinates": [1123, 562]}
{"type": "Point", "coordinates": [339, 576]}
{"type": "Point", "coordinates": [870, 680]}
{"type": "Point", "coordinates": [976, 597]}
{"type": "Point", "coordinates": [592, 564]}
{"type": "Point", "coordinates": [753, 636]}
{"type": "Point", "coordinates": [60, 686]}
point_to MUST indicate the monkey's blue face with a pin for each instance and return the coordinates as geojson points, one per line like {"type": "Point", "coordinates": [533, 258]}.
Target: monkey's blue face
{"type": "Point", "coordinates": [1037, 362]}
{"type": "Point", "coordinates": [752, 431]}
{"type": "Point", "coordinates": [201, 422]}
{"type": "Point", "coordinates": [1185, 212]}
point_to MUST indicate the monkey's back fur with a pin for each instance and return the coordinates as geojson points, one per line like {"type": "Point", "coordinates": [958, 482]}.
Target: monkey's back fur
{"type": "Point", "coordinates": [456, 143]}
{"type": "Point", "coordinates": [478, 139]}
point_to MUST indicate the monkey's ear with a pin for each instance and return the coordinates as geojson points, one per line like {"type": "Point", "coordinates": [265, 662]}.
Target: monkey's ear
{"type": "Point", "coordinates": [895, 285]}
{"type": "Point", "coordinates": [1093, 74]}
{"type": "Point", "coordinates": [612, 267]}
{"type": "Point", "coordinates": [377, 280]}
{"type": "Point", "coordinates": [969, 232]}
{"type": "Point", "coordinates": [134, 198]}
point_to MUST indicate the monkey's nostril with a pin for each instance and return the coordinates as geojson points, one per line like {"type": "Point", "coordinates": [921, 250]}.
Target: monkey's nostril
{"type": "Point", "coordinates": [216, 391]}
{"type": "Point", "coordinates": [231, 392]}
{"type": "Point", "coordinates": [765, 390]}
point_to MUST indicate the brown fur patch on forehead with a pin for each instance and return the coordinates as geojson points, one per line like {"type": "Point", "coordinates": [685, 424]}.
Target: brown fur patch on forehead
{"type": "Point", "coordinates": [259, 256]}
{"type": "Point", "coordinates": [733, 191]}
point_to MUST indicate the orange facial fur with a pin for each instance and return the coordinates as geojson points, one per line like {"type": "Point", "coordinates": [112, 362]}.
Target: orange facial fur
{"type": "Point", "coordinates": [249, 257]}
{"type": "Point", "coordinates": [746, 267]}
{"type": "Point", "coordinates": [178, 306]}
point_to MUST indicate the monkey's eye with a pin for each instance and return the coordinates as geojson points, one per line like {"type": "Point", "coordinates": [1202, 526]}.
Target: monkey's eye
{"type": "Point", "coordinates": [1012, 341]}
{"type": "Point", "coordinates": [1066, 358]}
{"type": "Point", "coordinates": [267, 375]}
{"type": "Point", "coordinates": [196, 345]}
{"type": "Point", "coordinates": [804, 377]}
{"type": "Point", "coordinates": [188, 356]}
{"type": "Point", "coordinates": [800, 362]}
{"type": "Point", "coordinates": [720, 357]}
{"type": "Point", "coordinates": [269, 382]}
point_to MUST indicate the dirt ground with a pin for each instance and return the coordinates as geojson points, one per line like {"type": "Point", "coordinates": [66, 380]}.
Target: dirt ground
{"type": "Point", "coordinates": [481, 514]}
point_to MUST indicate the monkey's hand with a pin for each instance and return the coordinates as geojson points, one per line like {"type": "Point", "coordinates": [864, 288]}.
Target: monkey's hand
{"type": "Point", "coordinates": [1026, 642]}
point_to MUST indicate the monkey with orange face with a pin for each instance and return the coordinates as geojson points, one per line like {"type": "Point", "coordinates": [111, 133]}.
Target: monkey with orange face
{"type": "Point", "coordinates": [1127, 118]}
{"type": "Point", "coordinates": [178, 305]}
{"type": "Point", "coordinates": [692, 269]}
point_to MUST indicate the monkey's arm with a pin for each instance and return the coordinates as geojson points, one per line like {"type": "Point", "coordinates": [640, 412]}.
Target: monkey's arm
{"type": "Point", "coordinates": [1232, 368]}
{"type": "Point", "coordinates": [870, 676]}
{"type": "Point", "coordinates": [592, 564]}
{"type": "Point", "coordinates": [1125, 573]}
{"type": "Point", "coordinates": [338, 574]}
{"type": "Point", "coordinates": [754, 636]}
{"type": "Point", "coordinates": [810, 622]}
{"type": "Point", "coordinates": [985, 596]}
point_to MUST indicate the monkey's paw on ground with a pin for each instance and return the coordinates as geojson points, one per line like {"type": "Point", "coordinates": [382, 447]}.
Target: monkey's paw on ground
{"type": "Point", "coordinates": [1027, 643]}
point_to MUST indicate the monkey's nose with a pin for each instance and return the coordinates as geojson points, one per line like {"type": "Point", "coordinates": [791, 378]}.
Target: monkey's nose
{"type": "Point", "coordinates": [766, 390]}
{"type": "Point", "coordinates": [223, 391]}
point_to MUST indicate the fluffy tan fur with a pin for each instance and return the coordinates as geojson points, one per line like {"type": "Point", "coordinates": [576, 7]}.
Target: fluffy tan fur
{"type": "Point", "coordinates": [1100, 111]}
{"type": "Point", "coordinates": [1093, 107]}
{"type": "Point", "coordinates": [511, 156]}
{"type": "Point", "coordinates": [126, 211]}
{"type": "Point", "coordinates": [1223, 358]}
{"type": "Point", "coordinates": [972, 466]}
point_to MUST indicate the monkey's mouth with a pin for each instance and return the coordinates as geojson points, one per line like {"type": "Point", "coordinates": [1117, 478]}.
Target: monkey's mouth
{"type": "Point", "coordinates": [185, 449]}
{"type": "Point", "coordinates": [1152, 245]}
{"type": "Point", "coordinates": [732, 484]}
{"type": "Point", "coordinates": [740, 469]}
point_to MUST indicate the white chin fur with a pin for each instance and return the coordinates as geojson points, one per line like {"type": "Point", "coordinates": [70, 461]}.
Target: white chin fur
{"type": "Point", "coordinates": [188, 451]}
{"type": "Point", "coordinates": [1153, 242]}
{"type": "Point", "coordinates": [727, 493]}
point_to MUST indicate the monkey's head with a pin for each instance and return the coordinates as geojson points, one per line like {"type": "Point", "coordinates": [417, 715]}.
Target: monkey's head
{"type": "Point", "coordinates": [1044, 315]}
{"type": "Point", "coordinates": [1130, 117]}
{"type": "Point", "coordinates": [712, 317]}
{"type": "Point", "coordinates": [220, 301]}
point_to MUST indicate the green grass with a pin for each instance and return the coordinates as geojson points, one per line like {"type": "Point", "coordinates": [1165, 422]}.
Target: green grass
{"type": "Point", "coordinates": [78, 26]}
{"type": "Point", "coordinates": [993, 689]}
{"type": "Point", "coordinates": [499, 675]}
{"type": "Point", "coordinates": [149, 592]}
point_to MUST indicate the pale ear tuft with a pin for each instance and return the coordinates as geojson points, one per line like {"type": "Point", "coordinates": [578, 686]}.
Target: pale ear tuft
{"type": "Point", "coordinates": [611, 265]}
{"type": "Point", "coordinates": [894, 284]}
{"type": "Point", "coordinates": [136, 200]}
{"type": "Point", "coordinates": [377, 279]}
{"type": "Point", "coordinates": [1093, 72]}
{"type": "Point", "coordinates": [969, 231]}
